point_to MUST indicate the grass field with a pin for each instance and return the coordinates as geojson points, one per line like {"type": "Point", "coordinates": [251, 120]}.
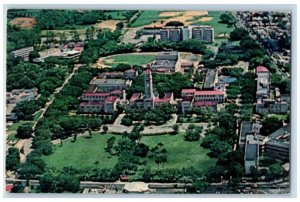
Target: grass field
{"type": "Point", "coordinates": [82, 153]}
{"type": "Point", "coordinates": [15, 126]}
{"type": "Point", "coordinates": [131, 59]}
{"type": "Point", "coordinates": [116, 15]}
{"type": "Point", "coordinates": [180, 153]}
{"type": "Point", "coordinates": [219, 27]}
{"type": "Point", "coordinates": [147, 17]}
{"type": "Point", "coordinates": [86, 151]}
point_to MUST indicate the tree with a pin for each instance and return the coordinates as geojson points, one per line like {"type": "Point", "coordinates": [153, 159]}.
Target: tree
{"type": "Point", "coordinates": [24, 131]}
{"type": "Point", "coordinates": [12, 159]}
{"type": "Point", "coordinates": [175, 128]}
{"type": "Point", "coordinates": [270, 125]}
{"type": "Point", "coordinates": [227, 18]}
{"type": "Point", "coordinates": [238, 33]}
{"type": "Point", "coordinates": [47, 183]}
{"type": "Point", "coordinates": [193, 133]}
{"type": "Point", "coordinates": [105, 128]}
{"type": "Point", "coordinates": [110, 144]}
{"type": "Point", "coordinates": [67, 182]}
{"type": "Point", "coordinates": [141, 150]}
{"type": "Point", "coordinates": [62, 38]}
{"type": "Point", "coordinates": [275, 171]}
{"type": "Point", "coordinates": [76, 36]}
{"type": "Point", "coordinates": [120, 25]}
{"type": "Point", "coordinates": [174, 24]}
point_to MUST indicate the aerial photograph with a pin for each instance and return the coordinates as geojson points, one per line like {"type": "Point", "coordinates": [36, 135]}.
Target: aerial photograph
{"type": "Point", "coordinates": [106, 102]}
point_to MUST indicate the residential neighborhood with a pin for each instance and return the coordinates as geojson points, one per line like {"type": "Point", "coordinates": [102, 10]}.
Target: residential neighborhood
{"type": "Point", "coordinates": [148, 102]}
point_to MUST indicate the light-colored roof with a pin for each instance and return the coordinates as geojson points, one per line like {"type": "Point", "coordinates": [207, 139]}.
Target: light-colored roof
{"type": "Point", "coordinates": [136, 187]}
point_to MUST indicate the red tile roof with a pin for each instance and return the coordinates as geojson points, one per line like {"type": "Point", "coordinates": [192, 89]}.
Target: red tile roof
{"type": "Point", "coordinates": [209, 92]}
{"type": "Point", "coordinates": [96, 94]}
{"type": "Point", "coordinates": [135, 96]}
{"type": "Point", "coordinates": [116, 92]}
{"type": "Point", "coordinates": [199, 104]}
{"type": "Point", "coordinates": [261, 69]}
{"type": "Point", "coordinates": [111, 99]}
{"type": "Point", "coordinates": [161, 100]}
{"type": "Point", "coordinates": [188, 90]}
{"type": "Point", "coordinates": [148, 71]}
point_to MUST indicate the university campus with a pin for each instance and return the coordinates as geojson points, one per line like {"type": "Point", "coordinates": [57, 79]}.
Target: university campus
{"type": "Point", "coordinates": [148, 102]}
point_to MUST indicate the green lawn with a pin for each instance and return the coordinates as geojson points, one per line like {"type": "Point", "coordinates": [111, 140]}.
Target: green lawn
{"type": "Point", "coordinates": [180, 153]}
{"type": "Point", "coordinates": [219, 28]}
{"type": "Point", "coordinates": [132, 59]}
{"type": "Point", "coordinates": [15, 126]}
{"type": "Point", "coordinates": [37, 115]}
{"type": "Point", "coordinates": [82, 153]}
{"type": "Point", "coordinates": [86, 151]}
{"type": "Point", "coordinates": [146, 18]}
{"type": "Point", "coordinates": [116, 15]}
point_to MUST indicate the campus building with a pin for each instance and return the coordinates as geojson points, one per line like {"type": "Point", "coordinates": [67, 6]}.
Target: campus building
{"type": "Point", "coordinates": [193, 99]}
{"type": "Point", "coordinates": [98, 102]}
{"type": "Point", "coordinates": [108, 85]}
{"type": "Point", "coordinates": [203, 33]}
{"type": "Point", "coordinates": [148, 100]}
{"type": "Point", "coordinates": [176, 34]}
{"type": "Point", "coordinates": [23, 53]}
{"type": "Point", "coordinates": [265, 104]}
{"type": "Point", "coordinates": [165, 62]}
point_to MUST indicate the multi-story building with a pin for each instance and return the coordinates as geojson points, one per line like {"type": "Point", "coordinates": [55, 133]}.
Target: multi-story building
{"type": "Point", "coordinates": [210, 96]}
{"type": "Point", "coordinates": [193, 99]}
{"type": "Point", "coordinates": [107, 85]}
{"type": "Point", "coordinates": [23, 53]}
{"type": "Point", "coordinates": [164, 35]}
{"type": "Point", "coordinates": [251, 154]}
{"type": "Point", "coordinates": [203, 33]}
{"type": "Point", "coordinates": [185, 33]}
{"type": "Point", "coordinates": [175, 34]}
{"type": "Point", "coordinates": [264, 103]}
{"type": "Point", "coordinates": [108, 105]}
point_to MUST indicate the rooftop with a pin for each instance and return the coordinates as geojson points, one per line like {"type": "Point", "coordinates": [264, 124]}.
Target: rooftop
{"type": "Point", "coordinates": [135, 96]}
{"type": "Point", "coordinates": [96, 94]}
{"type": "Point", "coordinates": [251, 152]}
{"type": "Point", "coordinates": [209, 92]}
{"type": "Point", "coordinates": [198, 104]}
{"type": "Point", "coordinates": [108, 81]}
{"type": "Point", "coordinates": [111, 99]}
{"type": "Point", "coordinates": [261, 69]}
{"type": "Point", "coordinates": [188, 91]}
